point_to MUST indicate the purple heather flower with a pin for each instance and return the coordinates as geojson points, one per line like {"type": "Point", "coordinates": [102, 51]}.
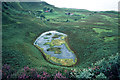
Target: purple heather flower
{"type": "Point", "coordinates": [32, 69]}
{"type": "Point", "coordinates": [44, 73]}
{"type": "Point", "coordinates": [38, 76]}
{"type": "Point", "coordinates": [26, 68]}
{"type": "Point", "coordinates": [27, 76]}
{"type": "Point", "coordinates": [8, 67]}
{"type": "Point", "coordinates": [59, 75]}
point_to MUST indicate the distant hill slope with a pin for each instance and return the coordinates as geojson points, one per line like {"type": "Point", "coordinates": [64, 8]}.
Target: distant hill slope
{"type": "Point", "coordinates": [27, 5]}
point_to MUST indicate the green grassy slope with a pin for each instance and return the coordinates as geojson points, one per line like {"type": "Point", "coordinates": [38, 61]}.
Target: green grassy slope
{"type": "Point", "coordinates": [89, 34]}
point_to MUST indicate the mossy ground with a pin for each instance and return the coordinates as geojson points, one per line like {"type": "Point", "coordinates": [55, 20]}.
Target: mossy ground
{"type": "Point", "coordinates": [20, 29]}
